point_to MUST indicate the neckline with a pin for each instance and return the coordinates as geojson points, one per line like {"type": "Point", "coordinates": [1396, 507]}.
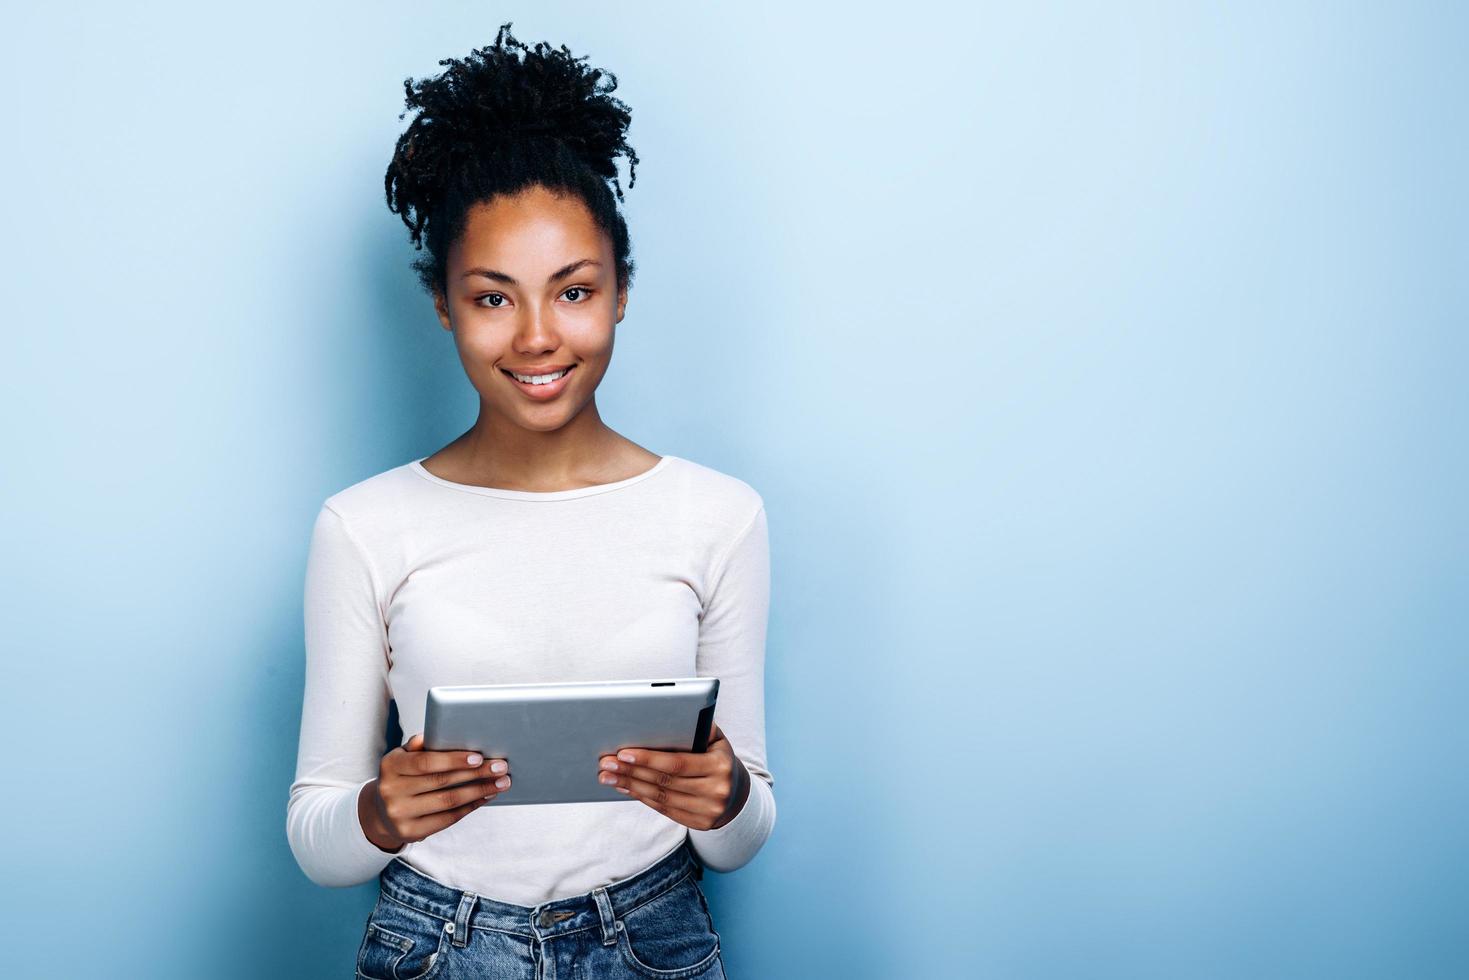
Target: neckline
{"type": "Point", "coordinates": [417, 467]}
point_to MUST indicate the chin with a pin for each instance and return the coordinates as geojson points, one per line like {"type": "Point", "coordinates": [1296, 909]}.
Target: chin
{"type": "Point", "coordinates": [543, 424]}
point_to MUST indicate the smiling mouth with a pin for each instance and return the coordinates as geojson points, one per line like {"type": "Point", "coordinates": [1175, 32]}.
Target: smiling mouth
{"type": "Point", "coordinates": [543, 384]}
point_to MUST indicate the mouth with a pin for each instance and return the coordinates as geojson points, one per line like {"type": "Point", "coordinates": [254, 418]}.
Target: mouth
{"type": "Point", "coordinates": [544, 390]}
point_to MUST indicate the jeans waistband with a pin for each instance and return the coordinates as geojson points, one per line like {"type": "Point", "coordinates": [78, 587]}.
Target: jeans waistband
{"type": "Point", "coordinates": [598, 908]}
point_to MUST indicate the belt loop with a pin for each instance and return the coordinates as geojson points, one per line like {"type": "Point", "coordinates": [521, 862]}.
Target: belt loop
{"type": "Point", "coordinates": [609, 918]}
{"type": "Point", "coordinates": [698, 862]}
{"type": "Point", "coordinates": [461, 918]}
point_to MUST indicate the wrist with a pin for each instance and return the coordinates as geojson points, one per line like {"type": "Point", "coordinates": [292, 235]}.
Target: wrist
{"type": "Point", "coordinates": [369, 815]}
{"type": "Point", "coordinates": [740, 797]}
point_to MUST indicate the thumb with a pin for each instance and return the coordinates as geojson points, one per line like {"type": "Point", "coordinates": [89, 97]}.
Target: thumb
{"type": "Point", "coordinates": [414, 744]}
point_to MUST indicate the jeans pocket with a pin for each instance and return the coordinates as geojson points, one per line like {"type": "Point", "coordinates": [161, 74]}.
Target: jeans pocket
{"type": "Point", "coordinates": [669, 936]}
{"type": "Point", "coordinates": [400, 943]}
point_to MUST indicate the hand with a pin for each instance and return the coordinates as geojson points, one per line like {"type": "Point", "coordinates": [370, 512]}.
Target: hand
{"type": "Point", "coordinates": [418, 793]}
{"type": "Point", "coordinates": [702, 790]}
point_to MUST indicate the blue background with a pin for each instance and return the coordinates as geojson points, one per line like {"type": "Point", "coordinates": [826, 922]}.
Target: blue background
{"type": "Point", "coordinates": [1102, 366]}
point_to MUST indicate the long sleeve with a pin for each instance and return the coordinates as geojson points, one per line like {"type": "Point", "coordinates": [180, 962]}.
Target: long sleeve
{"type": "Point", "coordinates": [732, 633]}
{"type": "Point", "coordinates": [344, 713]}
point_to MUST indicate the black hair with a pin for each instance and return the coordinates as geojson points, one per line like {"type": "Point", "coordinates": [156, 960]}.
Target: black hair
{"type": "Point", "coordinates": [494, 123]}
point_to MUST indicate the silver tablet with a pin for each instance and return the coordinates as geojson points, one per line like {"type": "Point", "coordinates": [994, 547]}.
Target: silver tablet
{"type": "Point", "coordinates": [554, 734]}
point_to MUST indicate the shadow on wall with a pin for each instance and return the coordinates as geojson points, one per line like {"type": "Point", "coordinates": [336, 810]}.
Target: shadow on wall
{"type": "Point", "coordinates": [368, 328]}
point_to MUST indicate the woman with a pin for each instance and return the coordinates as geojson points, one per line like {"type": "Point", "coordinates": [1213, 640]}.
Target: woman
{"type": "Point", "coordinates": [538, 546]}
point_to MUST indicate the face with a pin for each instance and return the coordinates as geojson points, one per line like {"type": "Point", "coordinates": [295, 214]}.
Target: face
{"type": "Point", "coordinates": [532, 289]}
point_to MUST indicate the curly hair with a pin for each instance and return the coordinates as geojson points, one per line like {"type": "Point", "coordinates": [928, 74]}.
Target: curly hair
{"type": "Point", "coordinates": [495, 123]}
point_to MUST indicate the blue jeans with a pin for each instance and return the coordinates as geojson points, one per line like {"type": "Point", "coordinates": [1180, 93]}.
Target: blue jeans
{"type": "Point", "coordinates": [655, 924]}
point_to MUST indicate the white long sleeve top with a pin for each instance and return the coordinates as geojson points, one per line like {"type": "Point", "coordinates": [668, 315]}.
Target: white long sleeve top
{"type": "Point", "coordinates": [414, 581]}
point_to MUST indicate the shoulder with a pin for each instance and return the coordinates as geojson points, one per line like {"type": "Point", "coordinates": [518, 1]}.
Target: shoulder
{"type": "Point", "coordinates": [720, 501]}
{"type": "Point", "coordinates": [714, 491]}
{"type": "Point", "coordinates": [375, 501]}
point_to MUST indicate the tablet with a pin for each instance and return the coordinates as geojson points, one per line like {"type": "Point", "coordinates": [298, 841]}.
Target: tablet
{"type": "Point", "coordinates": [554, 734]}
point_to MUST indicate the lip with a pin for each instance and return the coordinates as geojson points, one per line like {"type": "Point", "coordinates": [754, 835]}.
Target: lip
{"type": "Point", "coordinates": [541, 393]}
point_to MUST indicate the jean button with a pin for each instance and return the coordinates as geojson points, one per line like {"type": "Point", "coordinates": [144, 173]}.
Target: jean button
{"type": "Point", "coordinates": [545, 920]}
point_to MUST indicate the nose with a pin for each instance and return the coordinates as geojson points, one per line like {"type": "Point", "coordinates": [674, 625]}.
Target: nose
{"type": "Point", "coordinates": [535, 333]}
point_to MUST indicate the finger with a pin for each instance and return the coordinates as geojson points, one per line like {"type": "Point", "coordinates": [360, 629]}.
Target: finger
{"type": "Point", "coordinates": [715, 786]}
{"type": "Point", "coordinates": [663, 798]}
{"type": "Point", "coordinates": [420, 762]}
{"type": "Point", "coordinates": [718, 760]}
{"type": "Point", "coordinates": [420, 783]}
{"type": "Point", "coordinates": [689, 782]}
{"type": "Point", "coordinates": [673, 763]}
{"type": "Point", "coordinates": [422, 827]}
{"type": "Point", "coordinates": [417, 806]}
{"type": "Point", "coordinates": [462, 765]}
{"type": "Point", "coordinates": [471, 759]}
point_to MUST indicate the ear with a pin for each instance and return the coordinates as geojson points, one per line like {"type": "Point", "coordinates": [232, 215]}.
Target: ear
{"type": "Point", "coordinates": [441, 307]}
{"type": "Point", "coordinates": [621, 302]}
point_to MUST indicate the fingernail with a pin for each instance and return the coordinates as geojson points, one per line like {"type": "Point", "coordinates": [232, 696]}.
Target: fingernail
{"type": "Point", "coordinates": [499, 765]}
{"type": "Point", "coordinates": [609, 765]}
{"type": "Point", "coordinates": [502, 782]}
{"type": "Point", "coordinates": [475, 758]}
{"type": "Point", "coordinates": [626, 756]}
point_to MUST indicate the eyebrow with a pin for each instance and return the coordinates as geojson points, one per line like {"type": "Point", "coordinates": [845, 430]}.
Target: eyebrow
{"type": "Point", "coordinates": [499, 276]}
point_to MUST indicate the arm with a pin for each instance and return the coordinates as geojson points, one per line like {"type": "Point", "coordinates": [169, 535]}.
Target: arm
{"type": "Point", "coordinates": [732, 647]}
{"type": "Point", "coordinates": [344, 712]}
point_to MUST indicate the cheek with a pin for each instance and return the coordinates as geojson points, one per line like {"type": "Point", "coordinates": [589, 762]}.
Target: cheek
{"type": "Point", "coordinates": [589, 342]}
{"type": "Point", "coordinates": [600, 351]}
{"type": "Point", "coordinates": [478, 345]}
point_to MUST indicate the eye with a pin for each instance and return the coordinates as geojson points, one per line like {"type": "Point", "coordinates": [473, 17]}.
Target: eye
{"type": "Point", "coordinates": [582, 291]}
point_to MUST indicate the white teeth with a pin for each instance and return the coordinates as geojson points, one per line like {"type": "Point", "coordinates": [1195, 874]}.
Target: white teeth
{"type": "Point", "coordinates": [538, 379]}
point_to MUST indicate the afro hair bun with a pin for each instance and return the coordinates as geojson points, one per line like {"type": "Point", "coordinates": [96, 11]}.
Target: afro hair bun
{"type": "Point", "coordinates": [505, 116]}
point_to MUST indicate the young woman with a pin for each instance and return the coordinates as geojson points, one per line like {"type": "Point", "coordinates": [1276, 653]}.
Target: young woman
{"type": "Point", "coordinates": [538, 546]}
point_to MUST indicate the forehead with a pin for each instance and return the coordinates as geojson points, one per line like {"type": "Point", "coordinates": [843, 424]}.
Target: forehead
{"type": "Point", "coordinates": [532, 229]}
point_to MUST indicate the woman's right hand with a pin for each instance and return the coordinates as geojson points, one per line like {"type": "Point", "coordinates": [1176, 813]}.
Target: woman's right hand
{"type": "Point", "coordinates": [418, 793]}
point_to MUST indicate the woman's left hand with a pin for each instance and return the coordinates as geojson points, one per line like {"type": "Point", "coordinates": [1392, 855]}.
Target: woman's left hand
{"type": "Point", "coordinates": [701, 790]}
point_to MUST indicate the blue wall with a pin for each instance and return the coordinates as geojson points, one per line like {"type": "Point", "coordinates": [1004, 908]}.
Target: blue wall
{"type": "Point", "coordinates": [1103, 367]}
